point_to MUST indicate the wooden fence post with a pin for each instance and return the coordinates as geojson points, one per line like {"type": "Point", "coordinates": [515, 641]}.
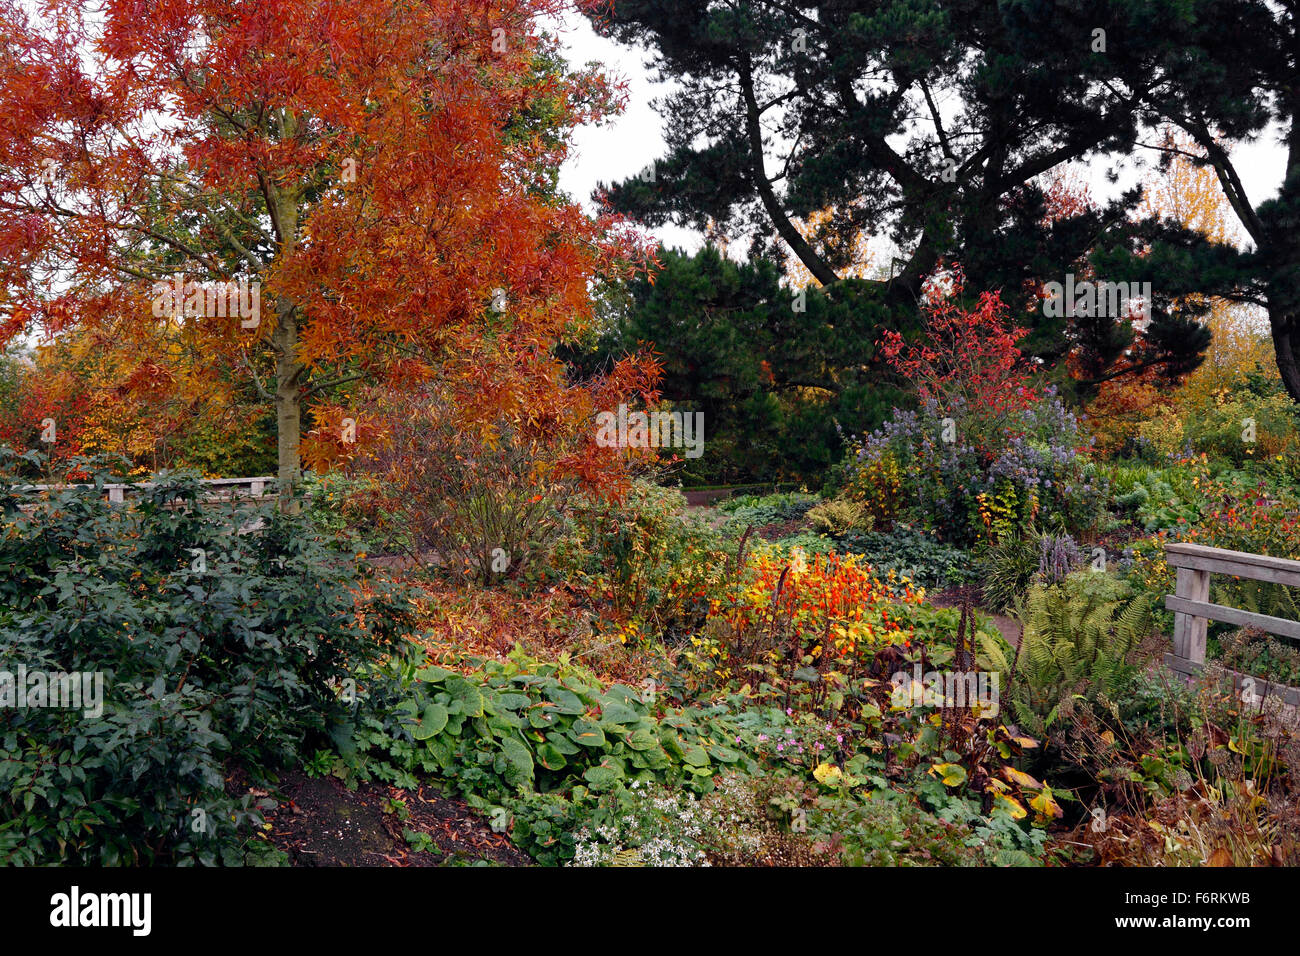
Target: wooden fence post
{"type": "Point", "coordinates": [1189, 630]}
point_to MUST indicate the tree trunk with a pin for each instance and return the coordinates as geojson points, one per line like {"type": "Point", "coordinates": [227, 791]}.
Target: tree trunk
{"type": "Point", "coordinates": [288, 407]}
{"type": "Point", "coordinates": [1286, 343]}
{"type": "Point", "coordinates": [289, 372]}
{"type": "Point", "coordinates": [1284, 278]}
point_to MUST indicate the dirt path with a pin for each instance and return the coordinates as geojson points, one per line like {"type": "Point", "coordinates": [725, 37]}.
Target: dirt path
{"type": "Point", "coordinates": [1008, 627]}
{"type": "Point", "coordinates": [322, 823]}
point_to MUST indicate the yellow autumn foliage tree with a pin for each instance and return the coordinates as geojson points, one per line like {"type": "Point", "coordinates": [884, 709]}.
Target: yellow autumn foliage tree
{"type": "Point", "coordinates": [159, 398]}
{"type": "Point", "coordinates": [862, 256]}
{"type": "Point", "coordinates": [1211, 409]}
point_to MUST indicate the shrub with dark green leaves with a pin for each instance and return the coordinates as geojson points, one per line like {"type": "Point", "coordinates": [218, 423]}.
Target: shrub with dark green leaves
{"type": "Point", "coordinates": [761, 510]}
{"type": "Point", "coordinates": [914, 553]}
{"type": "Point", "coordinates": [224, 637]}
{"type": "Point", "coordinates": [338, 506]}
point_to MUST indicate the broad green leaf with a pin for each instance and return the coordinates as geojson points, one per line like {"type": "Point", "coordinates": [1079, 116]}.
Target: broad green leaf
{"type": "Point", "coordinates": [549, 756]}
{"type": "Point", "coordinates": [625, 695]}
{"type": "Point", "coordinates": [724, 754]}
{"type": "Point", "coordinates": [695, 755]}
{"type": "Point", "coordinates": [520, 760]}
{"type": "Point", "coordinates": [562, 743]}
{"type": "Point", "coordinates": [566, 701]}
{"type": "Point", "coordinates": [432, 723]}
{"type": "Point", "coordinates": [467, 695]}
{"type": "Point", "coordinates": [587, 733]}
{"type": "Point", "coordinates": [642, 739]}
{"type": "Point", "coordinates": [618, 714]}
{"type": "Point", "coordinates": [602, 777]}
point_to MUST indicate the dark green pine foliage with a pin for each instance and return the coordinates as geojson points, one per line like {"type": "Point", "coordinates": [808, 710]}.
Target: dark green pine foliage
{"type": "Point", "coordinates": [927, 122]}
{"type": "Point", "coordinates": [772, 375]}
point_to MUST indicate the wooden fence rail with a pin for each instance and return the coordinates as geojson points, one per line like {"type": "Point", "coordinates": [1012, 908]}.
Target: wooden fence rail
{"type": "Point", "coordinates": [221, 488]}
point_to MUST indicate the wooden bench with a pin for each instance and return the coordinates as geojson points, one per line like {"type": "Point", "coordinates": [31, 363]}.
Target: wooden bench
{"type": "Point", "coordinates": [1193, 611]}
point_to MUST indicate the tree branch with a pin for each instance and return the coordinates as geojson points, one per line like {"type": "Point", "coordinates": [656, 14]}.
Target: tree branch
{"type": "Point", "coordinates": [818, 266]}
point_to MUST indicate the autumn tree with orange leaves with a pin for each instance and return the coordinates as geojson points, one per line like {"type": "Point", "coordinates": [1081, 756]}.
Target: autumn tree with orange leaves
{"type": "Point", "coordinates": [379, 176]}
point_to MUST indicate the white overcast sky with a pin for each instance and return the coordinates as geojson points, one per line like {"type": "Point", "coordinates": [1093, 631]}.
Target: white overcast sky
{"type": "Point", "coordinates": [627, 144]}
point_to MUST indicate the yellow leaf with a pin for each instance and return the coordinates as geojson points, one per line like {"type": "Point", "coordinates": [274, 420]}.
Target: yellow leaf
{"type": "Point", "coordinates": [1045, 805]}
{"type": "Point", "coordinates": [1011, 805]}
{"type": "Point", "coordinates": [828, 774]}
{"type": "Point", "coordinates": [630, 857]}
{"type": "Point", "coordinates": [952, 774]}
{"type": "Point", "coordinates": [1021, 778]}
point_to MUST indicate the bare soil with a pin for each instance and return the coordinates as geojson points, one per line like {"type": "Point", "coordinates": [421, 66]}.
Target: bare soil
{"type": "Point", "coordinates": [321, 823]}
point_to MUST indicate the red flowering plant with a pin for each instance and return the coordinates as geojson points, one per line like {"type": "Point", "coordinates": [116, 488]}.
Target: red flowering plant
{"type": "Point", "coordinates": [988, 451]}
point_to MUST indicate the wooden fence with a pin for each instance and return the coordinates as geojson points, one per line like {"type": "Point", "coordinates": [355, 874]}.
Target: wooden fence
{"type": "Point", "coordinates": [221, 489]}
{"type": "Point", "coordinates": [1193, 611]}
